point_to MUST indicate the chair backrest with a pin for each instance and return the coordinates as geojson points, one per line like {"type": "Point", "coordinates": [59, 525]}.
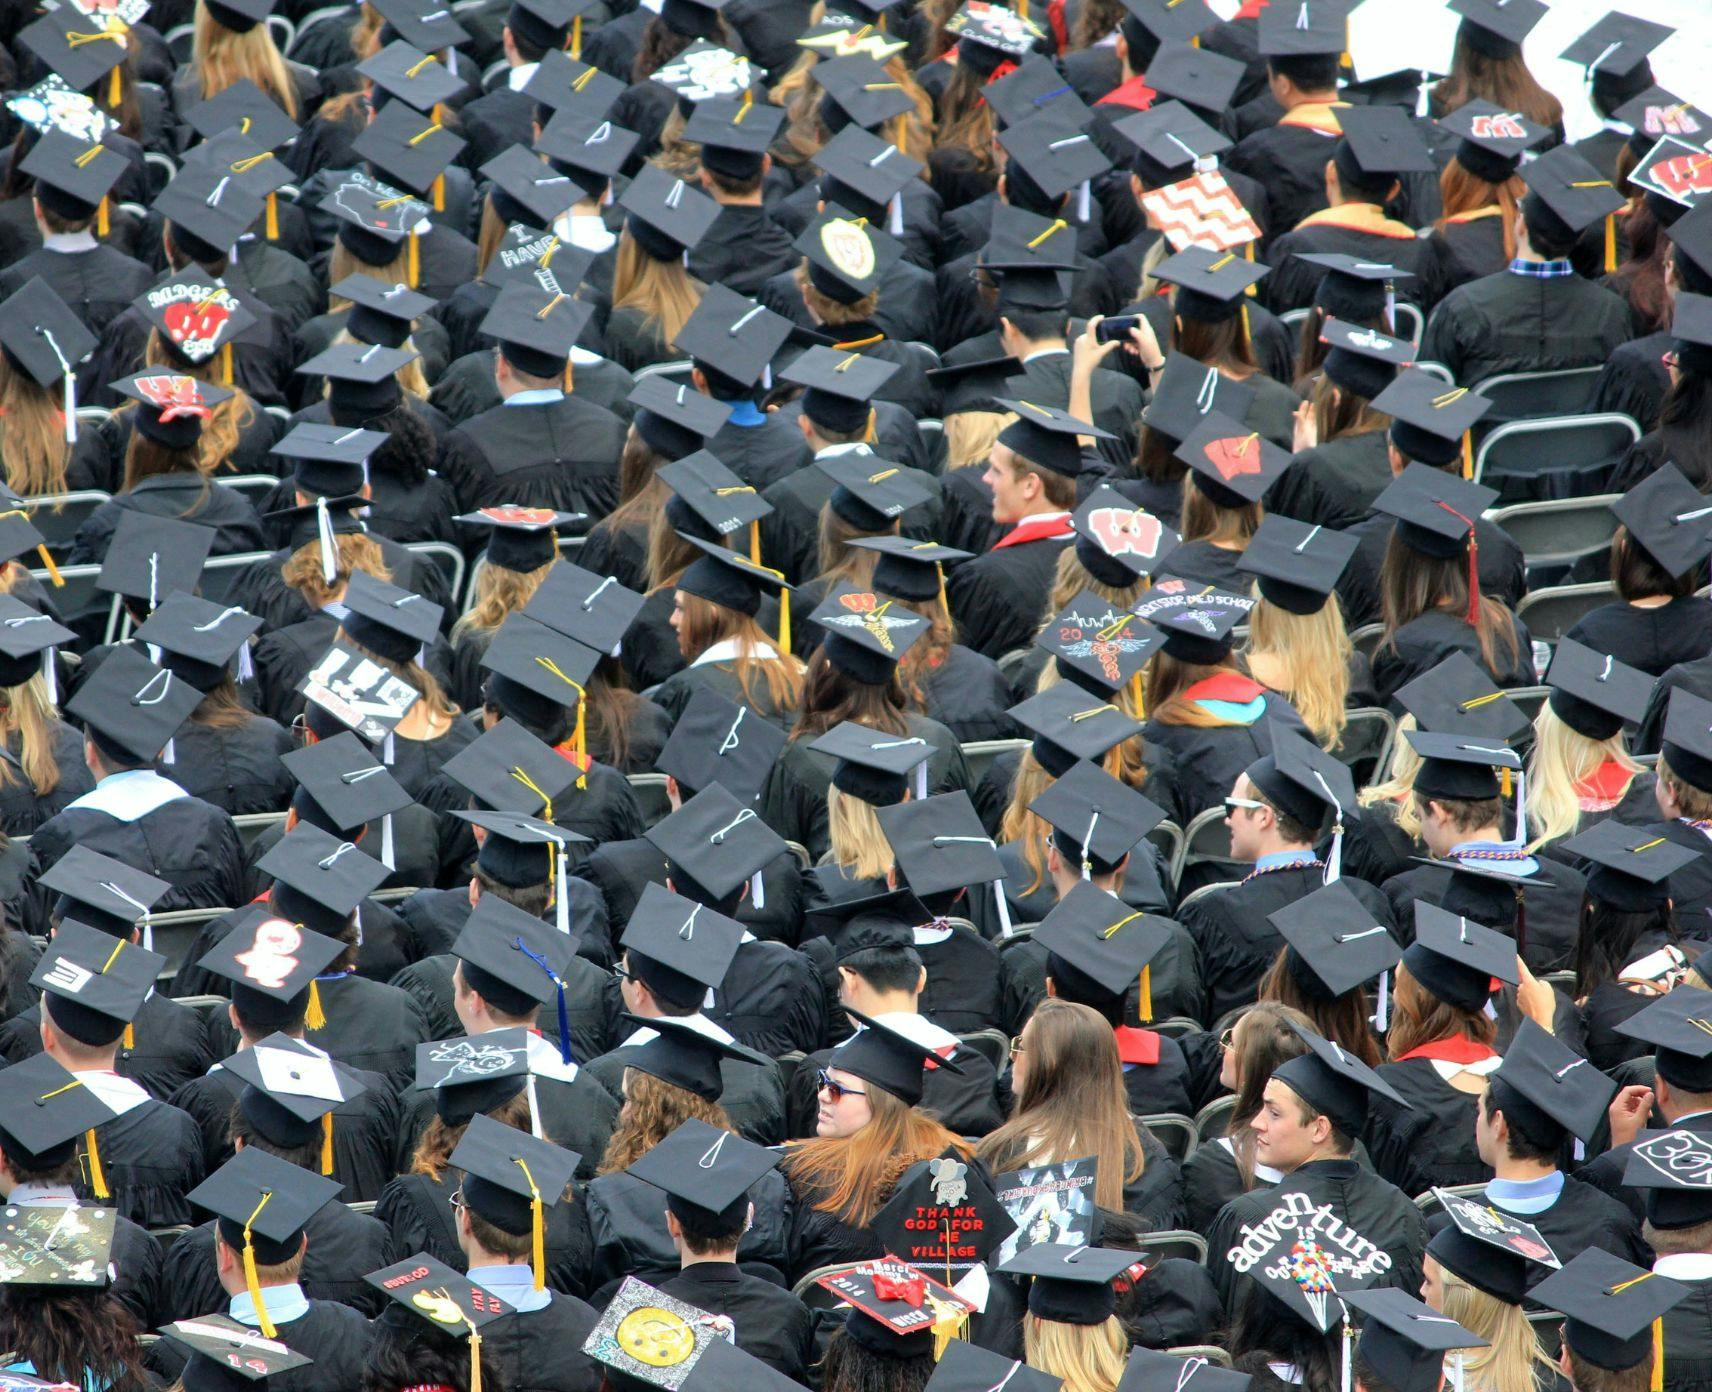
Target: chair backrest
{"type": "Point", "coordinates": [650, 790]}
{"type": "Point", "coordinates": [981, 753]}
{"type": "Point", "coordinates": [219, 574]}
{"type": "Point", "coordinates": [1213, 1118]}
{"type": "Point", "coordinates": [1168, 836]}
{"type": "Point", "coordinates": [1411, 321]}
{"type": "Point", "coordinates": [800, 851]}
{"type": "Point", "coordinates": [991, 1044]}
{"type": "Point", "coordinates": [1369, 734]}
{"type": "Point", "coordinates": [1531, 395]}
{"type": "Point", "coordinates": [448, 558]}
{"type": "Point", "coordinates": [1366, 639]}
{"type": "Point", "coordinates": [1211, 1352]}
{"type": "Point", "coordinates": [933, 436]}
{"type": "Point", "coordinates": [255, 487]}
{"type": "Point", "coordinates": [57, 516]}
{"type": "Point", "coordinates": [1438, 369]}
{"type": "Point", "coordinates": [1429, 1201]}
{"type": "Point", "coordinates": [251, 826]}
{"type": "Point", "coordinates": [1559, 531]}
{"type": "Point", "coordinates": [1173, 1131]}
{"type": "Point", "coordinates": [1201, 893]}
{"type": "Point", "coordinates": [1550, 613]}
{"type": "Point", "coordinates": [1562, 443]}
{"type": "Point", "coordinates": [1528, 699]}
{"type": "Point", "coordinates": [1176, 1026]}
{"type": "Point", "coordinates": [174, 934]}
{"type": "Point", "coordinates": [1175, 1242]}
{"type": "Point", "coordinates": [677, 371]}
{"type": "Point", "coordinates": [1206, 838]}
{"type": "Point", "coordinates": [1293, 319]}
{"type": "Point", "coordinates": [76, 596]}
{"type": "Point", "coordinates": [180, 39]}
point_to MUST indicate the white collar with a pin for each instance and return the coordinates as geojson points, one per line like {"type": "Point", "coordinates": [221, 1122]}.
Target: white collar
{"type": "Point", "coordinates": [535, 396]}
{"type": "Point", "coordinates": [518, 78]}
{"type": "Point", "coordinates": [730, 649]}
{"type": "Point", "coordinates": [1685, 1266]}
{"type": "Point", "coordinates": [131, 795]}
{"type": "Point", "coordinates": [1480, 1067]}
{"type": "Point", "coordinates": [43, 1196]}
{"type": "Point", "coordinates": [585, 231]}
{"type": "Point", "coordinates": [70, 242]}
{"type": "Point", "coordinates": [698, 1022]}
{"type": "Point", "coordinates": [918, 1028]}
{"type": "Point", "coordinates": [1046, 353]}
{"type": "Point", "coordinates": [120, 1094]}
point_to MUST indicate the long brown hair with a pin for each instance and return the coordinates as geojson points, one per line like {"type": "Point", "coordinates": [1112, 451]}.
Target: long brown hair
{"type": "Point", "coordinates": [224, 57]}
{"type": "Point", "coordinates": [354, 551]}
{"type": "Point", "coordinates": [706, 623]}
{"type": "Point", "coordinates": [83, 1337]}
{"type": "Point", "coordinates": [1224, 345]}
{"type": "Point", "coordinates": [612, 708]}
{"type": "Point", "coordinates": [830, 697]}
{"type": "Point", "coordinates": [1338, 411]}
{"type": "Point", "coordinates": [1206, 519]}
{"type": "Point", "coordinates": [927, 653]}
{"type": "Point", "coordinates": [1072, 1102]}
{"type": "Point", "coordinates": [1168, 678]}
{"type": "Point", "coordinates": [965, 118]}
{"type": "Point", "coordinates": [1097, 19]}
{"type": "Point", "coordinates": [32, 433]}
{"type": "Point", "coordinates": [1411, 584]}
{"type": "Point", "coordinates": [838, 559]}
{"type": "Point", "coordinates": [858, 1173]}
{"type": "Point", "coordinates": [1260, 1041]}
{"type": "Point", "coordinates": [1463, 191]}
{"type": "Point", "coordinates": [669, 555]}
{"type": "Point", "coordinates": [1343, 1020]}
{"type": "Point", "coordinates": [652, 1110]}
{"type": "Point", "coordinates": [26, 712]}
{"type": "Point", "coordinates": [147, 459]}
{"type": "Point", "coordinates": [221, 708]}
{"type": "Point", "coordinates": [1505, 82]}
{"type": "Point", "coordinates": [1418, 1017]}
{"type": "Point", "coordinates": [664, 291]}
{"type": "Point", "coordinates": [641, 495]}
{"type": "Point", "coordinates": [434, 698]}
{"type": "Point", "coordinates": [433, 1153]}
{"type": "Point", "coordinates": [225, 423]}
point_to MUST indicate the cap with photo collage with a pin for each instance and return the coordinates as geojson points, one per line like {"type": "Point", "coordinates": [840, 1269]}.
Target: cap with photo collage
{"type": "Point", "coordinates": [1430, 421]}
{"type": "Point", "coordinates": [715, 843]}
{"type": "Point", "coordinates": [510, 770]}
{"type": "Point", "coordinates": [1309, 29]}
{"type": "Point", "coordinates": [1460, 962]}
{"type": "Point", "coordinates": [734, 134]}
{"type": "Point", "coordinates": [538, 674]}
{"type": "Point", "coordinates": [1631, 867]}
{"type": "Point", "coordinates": [1333, 946]}
{"type": "Point", "coordinates": [666, 216]}
{"type": "Point", "coordinates": [1334, 1082]}
{"type": "Point", "coordinates": [1098, 646]}
{"type": "Point", "coordinates": [1687, 745]}
{"type": "Point", "coordinates": [536, 328]}
{"type": "Point", "coordinates": [28, 637]}
{"type": "Point", "coordinates": [716, 741]}
{"type": "Point", "coordinates": [1098, 946]}
{"type": "Point", "coordinates": [886, 1057]}
{"type": "Point", "coordinates": [860, 168]}
{"type": "Point", "coordinates": [1567, 194]}
{"type": "Point", "coordinates": [711, 502]}
{"type": "Point", "coordinates": [132, 708]}
{"type": "Point", "coordinates": [1047, 437]}
{"type": "Point", "coordinates": [52, 105]}
{"type": "Point", "coordinates": [1231, 464]}
{"type": "Point", "coordinates": [73, 175]}
{"type": "Point", "coordinates": [1492, 139]}
{"type": "Point", "coordinates": [706, 1173]}
{"type": "Point", "coordinates": [69, 43]}
{"type": "Point", "coordinates": [526, 189]}
{"type": "Point", "coordinates": [585, 148]}
{"type": "Point", "coordinates": [226, 1356]}
{"type": "Point", "coordinates": [1361, 360]}
{"type": "Point", "coordinates": [272, 964]}
{"type": "Point", "coordinates": [1593, 693]}
{"type": "Point", "coordinates": [1149, 1371]}
{"type": "Point", "coordinates": [1096, 819]}
{"type": "Point", "coordinates": [522, 852]}
{"type": "Point", "coordinates": [1072, 1284]}
{"type": "Point", "coordinates": [685, 1052]}
{"type": "Point", "coordinates": [1611, 1308]}
{"type": "Point", "coordinates": [673, 418]}
{"type": "Point", "coordinates": [733, 581]}
{"type": "Point", "coordinates": [1198, 621]}
{"type": "Point", "coordinates": [512, 1179]}
{"type": "Point", "coordinates": [733, 337]}
{"type": "Point", "coordinates": [444, 1299]}
{"type": "Point", "coordinates": [1674, 1169]}
{"type": "Point", "coordinates": [1405, 1340]}
{"type": "Point", "coordinates": [1068, 724]}
{"type": "Point", "coordinates": [291, 1090]}
{"type": "Point", "coordinates": [874, 766]}
{"type": "Point", "coordinates": [1170, 142]}
{"type": "Point", "coordinates": [848, 257]}
{"type": "Point", "coordinates": [562, 82]}
{"type": "Point", "coordinates": [1547, 1091]}
{"type": "Point", "coordinates": [1296, 565]}
{"type": "Point", "coordinates": [1494, 1251]}
{"type": "Point", "coordinates": [1678, 1027]}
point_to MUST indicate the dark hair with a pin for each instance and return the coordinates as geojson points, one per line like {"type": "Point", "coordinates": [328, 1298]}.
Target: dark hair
{"type": "Point", "coordinates": [1520, 1146]}
{"type": "Point", "coordinates": [409, 447]}
{"type": "Point", "coordinates": [1258, 1337]}
{"type": "Point", "coordinates": [612, 711]}
{"type": "Point", "coordinates": [706, 1232]}
{"type": "Point", "coordinates": [1687, 415]}
{"type": "Point", "coordinates": [84, 1337]}
{"type": "Point", "coordinates": [1310, 72]}
{"type": "Point", "coordinates": [1641, 279]}
{"type": "Point", "coordinates": [532, 899]}
{"type": "Point", "coordinates": [305, 1157]}
{"type": "Point", "coordinates": [1545, 230]}
{"type": "Point", "coordinates": [831, 697]}
{"type": "Point", "coordinates": [1636, 575]}
{"type": "Point", "coordinates": [406, 1352]}
{"type": "Point", "coordinates": [1608, 938]}
{"type": "Point", "coordinates": [850, 1366]}
{"type": "Point", "coordinates": [1412, 584]}
{"type": "Point", "coordinates": [555, 732]}
{"type": "Point", "coordinates": [1039, 323]}
{"type": "Point", "coordinates": [1156, 457]}
{"type": "Point", "coordinates": [1288, 827]}
{"type": "Point", "coordinates": [886, 968]}
{"type": "Point", "coordinates": [1343, 1019]}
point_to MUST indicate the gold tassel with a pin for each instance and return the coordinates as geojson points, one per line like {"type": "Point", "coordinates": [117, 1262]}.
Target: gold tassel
{"type": "Point", "coordinates": [755, 542]}
{"type": "Point", "coordinates": [115, 89]}
{"type": "Point", "coordinates": [439, 193]}
{"type": "Point", "coordinates": [785, 622]}
{"type": "Point", "coordinates": [251, 1282]}
{"type": "Point", "coordinates": [327, 1144]}
{"type": "Point", "coordinates": [97, 1179]}
{"type": "Point", "coordinates": [315, 1017]}
{"type": "Point", "coordinates": [1610, 243]}
{"type": "Point", "coordinates": [537, 1226]}
{"type": "Point", "coordinates": [1247, 336]}
{"type": "Point", "coordinates": [1467, 455]}
{"type": "Point", "coordinates": [414, 262]}
{"type": "Point", "coordinates": [579, 743]}
{"type": "Point", "coordinates": [1504, 781]}
{"type": "Point", "coordinates": [1657, 1384]}
{"type": "Point", "coordinates": [1140, 701]}
{"type": "Point", "coordinates": [577, 37]}
{"type": "Point", "coordinates": [1144, 1007]}
{"type": "Point", "coordinates": [48, 561]}
{"type": "Point", "coordinates": [130, 1036]}
{"type": "Point", "coordinates": [475, 1356]}
{"type": "Point", "coordinates": [272, 218]}
{"type": "Point", "coordinates": [226, 363]}
{"type": "Point", "coordinates": [103, 220]}
{"type": "Point", "coordinates": [944, 603]}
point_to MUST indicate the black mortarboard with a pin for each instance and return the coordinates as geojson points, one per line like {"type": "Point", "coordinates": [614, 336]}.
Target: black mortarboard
{"type": "Point", "coordinates": [1333, 944]}
{"type": "Point", "coordinates": [1148, 1371]}
{"type": "Point", "coordinates": [939, 844]}
{"type": "Point", "coordinates": [1687, 746]}
{"type": "Point", "coordinates": [1593, 693]}
{"type": "Point", "coordinates": [536, 328]}
{"type": "Point", "coordinates": [1405, 1340]}
{"type": "Point", "coordinates": [551, 669]}
{"type": "Point", "coordinates": [714, 843]}
{"type": "Point", "coordinates": [967, 1367]}
{"type": "Point", "coordinates": [705, 1169]}
{"type": "Point", "coordinates": [44, 1108]}
{"type": "Point", "coordinates": [1429, 419]}
{"type": "Point", "coordinates": [1456, 960]}
{"type": "Point", "coordinates": [1297, 566]}
{"type": "Point", "coordinates": [100, 892]}
{"type": "Point", "coordinates": [874, 765]}
{"type": "Point", "coordinates": [72, 174]}
{"type": "Point", "coordinates": [1489, 1249]}
{"type": "Point", "coordinates": [1460, 766]}
{"type": "Point", "coordinates": [98, 982]}
{"type": "Point", "coordinates": [1435, 511]}
{"type": "Point", "coordinates": [667, 216]}
{"type": "Point", "coordinates": [867, 634]}
{"type": "Point", "coordinates": [519, 538]}
{"type": "Point", "coordinates": [1569, 191]}
{"type": "Point", "coordinates": [324, 878]}
{"type": "Point", "coordinates": [1072, 1284]}
{"type": "Point", "coordinates": [1631, 868]}
{"type": "Point", "coordinates": [1203, 80]}
{"type": "Point", "coordinates": [65, 41]}
{"type": "Point", "coordinates": [290, 1088]}
{"type": "Point", "coordinates": [1230, 463]}
{"type": "Point", "coordinates": [132, 707]}
{"type": "Point", "coordinates": [522, 851]}
{"type": "Point", "coordinates": [1492, 140]}
{"type": "Point", "coordinates": [587, 147]}
{"type": "Point", "coordinates": [716, 741]}
{"type": "Point", "coordinates": [1068, 723]}
{"type": "Point", "coordinates": [681, 1051]}
{"type": "Point", "coordinates": [1168, 20]}
{"type": "Point", "coordinates": [209, 209]}
{"type": "Point", "coordinates": [1380, 142]}
{"type": "Point", "coordinates": [563, 83]}
{"type": "Point", "coordinates": [1545, 1089]}
{"type": "Point", "coordinates": [51, 1245]}
{"type": "Point", "coordinates": [1334, 1082]}
{"type": "Point", "coordinates": [1656, 112]}
{"type": "Point", "coordinates": [419, 80]}
{"type": "Point", "coordinates": [1308, 28]}
{"type": "Point", "coordinates": [470, 1076]}
{"type": "Point", "coordinates": [1363, 360]}
{"type": "Point", "coordinates": [362, 378]}
{"type": "Point", "coordinates": [1097, 645]}
{"type": "Point", "coordinates": [695, 19]}
{"type": "Point", "coordinates": [1675, 1170]}
{"type": "Point", "coordinates": [1047, 437]}
{"type": "Point", "coordinates": [847, 259]}
{"type": "Point", "coordinates": [25, 634]}
{"type": "Point", "coordinates": [546, 23]}
{"type": "Point", "coordinates": [594, 609]}
{"type": "Point", "coordinates": [1609, 1307]}
{"type": "Point", "coordinates": [226, 1356]}
{"type": "Point", "coordinates": [240, 16]}
{"type": "Point", "coordinates": [527, 189]}
{"type": "Point", "coordinates": [729, 578]}
{"type": "Point", "coordinates": [1116, 541]}
{"type": "Point", "coordinates": [1302, 780]}
{"type": "Point", "coordinates": [718, 499]}
{"type": "Point", "coordinates": [1036, 88]}
{"type": "Point", "coordinates": [1053, 154]}
{"type": "Point", "coordinates": [1678, 1025]}
{"type": "Point", "coordinates": [428, 24]}
{"type": "Point", "coordinates": [329, 460]}
{"type": "Point", "coordinates": [1496, 28]}
{"type": "Point", "coordinates": [1197, 620]}
{"type": "Point", "coordinates": [1187, 392]}
{"type": "Point", "coordinates": [1210, 284]}
{"type": "Point", "coordinates": [1669, 518]}
{"type": "Point", "coordinates": [1098, 944]}
{"type": "Point", "coordinates": [373, 217]}
{"type": "Point", "coordinates": [677, 1337]}
{"type": "Point", "coordinates": [736, 336]}
{"type": "Point", "coordinates": [1616, 45]}
{"type": "Point", "coordinates": [509, 770]}
{"type": "Point", "coordinates": [512, 1179]}
{"type": "Point", "coordinates": [1353, 288]}
{"type": "Point", "coordinates": [1457, 697]}
{"type": "Point", "coordinates": [195, 314]}
{"type": "Point", "coordinates": [1170, 139]}
{"type": "Point", "coordinates": [196, 637]}
{"type": "Point", "coordinates": [868, 493]}
{"type": "Point", "coordinates": [443, 1298]}
{"type": "Point", "coordinates": [734, 133]}
{"type": "Point", "coordinates": [887, 1058]}
{"type": "Point", "coordinates": [687, 946]}
{"type": "Point", "coordinates": [245, 108]}
{"type": "Point", "coordinates": [271, 962]}
{"type": "Point", "coordinates": [861, 162]}
{"type": "Point", "coordinates": [1099, 818]}
{"type": "Point", "coordinates": [41, 334]}
{"type": "Point", "coordinates": [673, 417]}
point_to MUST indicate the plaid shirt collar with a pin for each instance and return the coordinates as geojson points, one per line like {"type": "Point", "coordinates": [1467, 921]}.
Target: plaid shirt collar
{"type": "Point", "coordinates": [1542, 270]}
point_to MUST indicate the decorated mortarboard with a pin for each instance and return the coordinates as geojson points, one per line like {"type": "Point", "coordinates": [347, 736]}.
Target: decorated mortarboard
{"type": "Point", "coordinates": [1669, 518]}
{"type": "Point", "coordinates": [1187, 392]}
{"type": "Point", "coordinates": [80, 49]}
{"type": "Point", "coordinates": [654, 1337]}
{"type": "Point", "coordinates": [1072, 1284]}
{"type": "Point", "coordinates": [673, 216]}
{"type": "Point", "coordinates": [1074, 724]}
{"type": "Point", "coordinates": [1305, 29]}
{"type": "Point", "coordinates": [1054, 154]}
{"type": "Point", "coordinates": [1046, 436]}
{"type": "Point", "coordinates": [1457, 697]}
{"type": "Point", "coordinates": [1656, 112]}
{"type": "Point", "coordinates": [444, 1299]}
{"type": "Point", "coordinates": [1307, 1275]}
{"type": "Point", "coordinates": [1544, 1088]}
{"type": "Point", "coordinates": [734, 133]}
{"type": "Point", "coordinates": [706, 72]}
{"type": "Point", "coordinates": [594, 609]}
{"type": "Point", "coordinates": [195, 314]}
{"type": "Point", "coordinates": [897, 1310]}
{"type": "Point", "coordinates": [226, 1356]}
{"type": "Point", "coordinates": [44, 1108]}
{"type": "Point", "coordinates": [687, 1051]}
{"type": "Point", "coordinates": [1230, 463]}
{"type": "Point", "coordinates": [1405, 1340]}
{"type": "Point", "coordinates": [1610, 1308]}
{"type": "Point", "coordinates": [54, 1245]}
{"type": "Point", "coordinates": [1489, 1249]}
{"type": "Point", "coordinates": [673, 418]}
{"type": "Point", "coordinates": [1201, 79]}
{"type": "Point", "coordinates": [586, 146]}
{"type": "Point", "coordinates": [1674, 1168]}
{"type": "Point", "coordinates": [420, 81]}
{"type": "Point", "coordinates": [1616, 45]}
{"type": "Point", "coordinates": [1457, 960]}
{"type": "Point", "coordinates": [1571, 189]}
{"type": "Point", "coordinates": [1678, 1026]}
{"type": "Point", "coordinates": [704, 1168]}
{"type": "Point", "coordinates": [867, 634]}
{"type": "Point", "coordinates": [1102, 817]}
{"type": "Point", "coordinates": [1492, 139]}
{"type": "Point", "coordinates": [1631, 868]}
{"type": "Point", "coordinates": [858, 160]}
{"type": "Point", "coordinates": [1593, 693]}
{"type": "Point", "coordinates": [519, 538]}
{"type": "Point", "coordinates": [1687, 746]}
{"type": "Point", "coordinates": [509, 770]}
{"type": "Point", "coordinates": [1101, 943]}
{"type": "Point", "coordinates": [131, 706]}
{"type": "Point", "coordinates": [52, 105]}
{"type": "Point", "coordinates": [714, 843]}
{"type": "Point", "coordinates": [511, 1179]}
{"type": "Point", "coordinates": [98, 982]}
{"type": "Point", "coordinates": [1363, 360]}
{"type": "Point", "coordinates": [1118, 541]}
{"type": "Point", "coordinates": [720, 500]}
{"type": "Point", "coordinates": [73, 174]}
{"type": "Point", "coordinates": [362, 694]}
{"type": "Point", "coordinates": [1297, 566]}
{"type": "Point", "coordinates": [875, 765]}
{"type": "Point", "coordinates": [847, 260]}
{"type": "Point", "coordinates": [1150, 1371]}
{"type": "Point", "coordinates": [1332, 943]}
{"type": "Point", "coordinates": [1036, 88]}
{"type": "Point", "coordinates": [868, 493]}
{"type": "Point", "coordinates": [1098, 646]}
{"type": "Point", "coordinates": [735, 335]}
{"type": "Point", "coordinates": [378, 211]}
{"type": "Point", "coordinates": [1197, 620]}
{"type": "Point", "coordinates": [209, 208]}
{"type": "Point", "coordinates": [100, 892]}
{"type": "Point", "coordinates": [472, 1075]}
{"type": "Point", "coordinates": [527, 189]}
{"type": "Point", "coordinates": [291, 1091]}
{"type": "Point", "coordinates": [1435, 512]}
{"type": "Point", "coordinates": [1211, 285]}
{"type": "Point", "coordinates": [1382, 141]}
{"type": "Point", "coordinates": [994, 27]}
{"type": "Point", "coordinates": [245, 108]}
{"type": "Point", "coordinates": [27, 636]}
{"type": "Point", "coordinates": [1675, 170]}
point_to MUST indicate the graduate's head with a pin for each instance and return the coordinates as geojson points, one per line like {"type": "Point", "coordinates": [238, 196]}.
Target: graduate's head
{"type": "Point", "coordinates": [1294, 76]}
{"type": "Point", "coordinates": [1587, 1376]}
{"type": "Point", "coordinates": [879, 968]}
{"type": "Point", "coordinates": [1022, 488]}
{"type": "Point", "coordinates": [1678, 797]}
{"type": "Point", "coordinates": [1289, 1130]}
{"type": "Point", "coordinates": [1515, 1134]}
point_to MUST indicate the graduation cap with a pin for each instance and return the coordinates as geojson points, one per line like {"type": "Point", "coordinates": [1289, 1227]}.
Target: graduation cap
{"type": "Point", "coordinates": [1675, 1170]}
{"type": "Point", "coordinates": [705, 1171]}
{"type": "Point", "coordinates": [1566, 194]}
{"type": "Point", "coordinates": [427, 24]}
{"type": "Point", "coordinates": [100, 892]}
{"type": "Point", "coordinates": [1099, 646]}
{"type": "Point", "coordinates": [44, 1108]}
{"type": "Point", "coordinates": [1116, 541]}
{"type": "Point", "coordinates": [869, 493]}
{"type": "Point", "coordinates": [1296, 565]}
{"type": "Point", "coordinates": [519, 538]}
{"type": "Point", "coordinates": [319, 878]}
{"type": "Point", "coordinates": [673, 418]}
{"type": "Point", "coordinates": [735, 336]}
{"type": "Point", "coordinates": [472, 1075]}
{"type": "Point", "coordinates": [1005, 33]}
{"type": "Point", "coordinates": [65, 1247]}
{"type": "Point", "coordinates": [527, 189]}
{"type": "Point", "coordinates": [52, 105]}
{"type": "Point", "coordinates": [1496, 28]}
{"type": "Point", "coordinates": [511, 1179]}
{"type": "Point", "coordinates": [1333, 946]}
{"type": "Point", "coordinates": [1435, 511]}
{"type": "Point", "coordinates": [1182, 21]}
{"type": "Point", "coordinates": [98, 982]}
{"type": "Point", "coordinates": [291, 1090]}
{"type": "Point", "coordinates": [1461, 766]}
{"type": "Point", "coordinates": [714, 843]}
{"type": "Point", "coordinates": [1334, 1082]}
{"type": "Point", "coordinates": [1097, 944]}
{"type": "Point", "coordinates": [939, 844]}
{"type": "Point", "coordinates": [174, 405]}
{"type": "Point", "coordinates": [1456, 960]}
{"type": "Point", "coordinates": [373, 217]}
{"type": "Point", "coordinates": [653, 1337]}
{"type": "Point", "coordinates": [1631, 868]}
{"type": "Point", "coordinates": [525, 851]}
{"type": "Point", "coordinates": [1405, 1340]}
{"type": "Point", "coordinates": [1036, 88]}
{"type": "Point", "coordinates": [1303, 781]}
{"type": "Point", "coordinates": [509, 770]}
{"type": "Point", "coordinates": [1489, 1249]}
{"type": "Point", "coordinates": [195, 314]}
{"type": "Point", "coordinates": [867, 634]}
{"type": "Point", "coordinates": [594, 609]}
{"type": "Point", "coordinates": [1098, 818]}
{"type": "Point", "coordinates": [1363, 360]}
{"type": "Point", "coordinates": [444, 1299]}
{"type": "Point", "coordinates": [1355, 289]}
{"type": "Point", "coordinates": [27, 637]}
{"type": "Point", "coordinates": [1072, 1284]}
{"type": "Point", "coordinates": [1430, 422]}
{"type": "Point", "coordinates": [680, 947]}
{"type": "Point", "coordinates": [1308, 1277]}
{"type": "Point", "coordinates": [667, 217]}
{"type": "Point", "coordinates": [1055, 156]}
{"type": "Point", "coordinates": [1149, 1371]}
{"type": "Point", "coordinates": [226, 1356]}
{"type": "Point", "coordinates": [1210, 285]}
{"type": "Point", "coordinates": [330, 461]}
{"type": "Point", "coordinates": [683, 1051]}
{"type": "Point", "coordinates": [854, 30]}
{"type": "Point", "coordinates": [73, 174]}
{"type": "Point", "coordinates": [1593, 693]}
{"type": "Point", "coordinates": [967, 1367]}
{"type": "Point", "coordinates": [549, 23]}
{"type": "Point", "coordinates": [132, 708]}
{"type": "Point", "coordinates": [1668, 517]}
{"type": "Point", "coordinates": [847, 260]}
{"type": "Point", "coordinates": [245, 108]}
{"type": "Point", "coordinates": [1611, 1308]}
{"type": "Point", "coordinates": [540, 674]}
{"type": "Point", "coordinates": [1379, 143]}
{"type": "Point", "coordinates": [536, 328]}
{"type": "Point", "coordinates": [1457, 697]}
{"type": "Point", "coordinates": [563, 83]}
{"type": "Point", "coordinates": [715, 498]}
{"type": "Point", "coordinates": [1046, 437]}
{"type": "Point", "coordinates": [196, 639]}
{"type": "Point", "coordinates": [858, 162]}
{"type": "Point", "coordinates": [705, 72]}
{"type": "Point", "coordinates": [420, 81]}
{"type": "Point", "coordinates": [210, 209]}
{"type": "Point", "coordinates": [1492, 140]}
{"type": "Point", "coordinates": [75, 46]}
{"type": "Point", "coordinates": [874, 765]}
{"type": "Point", "coordinates": [1678, 1026]}
{"type": "Point", "coordinates": [393, 622]}
{"type": "Point", "coordinates": [886, 1057]}
{"type": "Point", "coordinates": [1187, 392]}
{"type": "Point", "coordinates": [1656, 112]}
{"type": "Point", "coordinates": [898, 1311]}
{"type": "Point", "coordinates": [1204, 81]}
{"type": "Point", "coordinates": [240, 16]}
{"type": "Point", "coordinates": [733, 581]}
{"type": "Point", "coordinates": [272, 963]}
{"type": "Point", "coordinates": [1170, 138]}
{"type": "Point", "coordinates": [40, 334]}
{"type": "Point", "coordinates": [724, 1367]}
{"type": "Point", "coordinates": [1616, 45]}
{"type": "Point", "coordinates": [1070, 724]}
{"type": "Point", "coordinates": [1197, 620]}
{"type": "Point", "coordinates": [587, 147]}
{"type": "Point", "coordinates": [1687, 745]}
{"type": "Point", "coordinates": [1306, 29]}
{"type": "Point", "coordinates": [1545, 1089]}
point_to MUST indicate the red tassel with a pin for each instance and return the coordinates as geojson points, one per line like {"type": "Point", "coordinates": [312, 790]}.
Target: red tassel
{"type": "Point", "coordinates": [1473, 563]}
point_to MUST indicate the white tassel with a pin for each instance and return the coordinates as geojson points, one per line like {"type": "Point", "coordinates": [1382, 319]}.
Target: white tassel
{"type": "Point", "coordinates": [329, 548]}
{"type": "Point", "coordinates": [386, 842]}
{"type": "Point", "coordinates": [534, 1108]}
{"type": "Point", "coordinates": [921, 781]}
{"type": "Point", "coordinates": [70, 384]}
{"type": "Point", "coordinates": [1456, 1370]}
{"type": "Point", "coordinates": [561, 892]}
{"type": "Point", "coordinates": [246, 668]}
{"type": "Point", "coordinates": [1580, 1150]}
{"type": "Point", "coordinates": [1003, 908]}
{"type": "Point", "coordinates": [358, 915]}
{"type": "Point", "coordinates": [386, 750]}
{"type": "Point", "coordinates": [756, 892]}
{"type": "Point", "coordinates": [895, 215]}
{"type": "Point", "coordinates": [1334, 860]}
{"type": "Point", "coordinates": [1383, 1017]}
{"type": "Point", "coordinates": [50, 676]}
{"type": "Point", "coordinates": [148, 935]}
{"type": "Point", "coordinates": [1521, 808]}
{"type": "Point", "coordinates": [1348, 1339]}
{"type": "Point", "coordinates": [167, 754]}
{"type": "Point", "coordinates": [1082, 203]}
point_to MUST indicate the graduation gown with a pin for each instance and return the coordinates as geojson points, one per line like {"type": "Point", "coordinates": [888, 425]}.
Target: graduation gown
{"type": "Point", "coordinates": [183, 840]}
{"type": "Point", "coordinates": [1634, 381]}
{"type": "Point", "coordinates": [187, 497]}
{"type": "Point", "coordinates": [1653, 638]}
{"type": "Point", "coordinates": [1427, 640]}
{"type": "Point", "coordinates": [759, 447]}
{"type": "Point", "coordinates": [1351, 229]}
{"type": "Point", "coordinates": [628, 1221]}
{"type": "Point", "coordinates": [1472, 245]}
{"type": "Point", "coordinates": [790, 534]}
{"type": "Point", "coordinates": [675, 692]}
{"type": "Point", "coordinates": [998, 599]}
{"type": "Point", "coordinates": [436, 917]}
{"type": "Point", "coordinates": [344, 1246]}
{"type": "Point", "coordinates": [104, 445]}
{"type": "Point", "coordinates": [753, 1095]}
{"type": "Point", "coordinates": [771, 1323]}
{"type": "Point", "coordinates": [541, 1350]}
{"type": "Point", "coordinates": [1289, 159]}
{"type": "Point", "coordinates": [1688, 1329]}
{"type": "Point", "coordinates": [742, 250]}
{"type": "Point", "coordinates": [97, 283]}
{"type": "Point", "coordinates": [1209, 564]}
{"type": "Point", "coordinates": [1553, 897]}
{"type": "Point", "coordinates": [770, 999]}
{"type": "Point", "coordinates": [1500, 566]}
{"type": "Point", "coordinates": [22, 808]}
{"type": "Point", "coordinates": [1434, 1142]}
{"type": "Point", "coordinates": [237, 770]}
{"type": "Point", "coordinates": [1335, 484]}
{"type": "Point", "coordinates": [1211, 1180]}
{"type": "Point", "coordinates": [151, 1156]}
{"type": "Point", "coordinates": [1583, 1217]}
{"type": "Point", "coordinates": [1175, 985]}
{"type": "Point", "coordinates": [172, 1044]}
{"type": "Point", "coordinates": [560, 454]}
{"type": "Point", "coordinates": [1208, 759]}
{"type": "Point", "coordinates": [335, 1336]}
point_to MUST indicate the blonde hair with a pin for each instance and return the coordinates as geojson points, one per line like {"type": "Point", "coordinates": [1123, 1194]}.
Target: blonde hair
{"type": "Point", "coordinates": [1089, 1357]}
{"type": "Point", "coordinates": [410, 378]}
{"type": "Point", "coordinates": [1311, 654]}
{"type": "Point", "coordinates": [226, 422]}
{"type": "Point", "coordinates": [665, 291]}
{"type": "Point", "coordinates": [1071, 577]}
{"type": "Point", "coordinates": [1512, 1361]}
{"type": "Point", "coordinates": [971, 435]}
{"type": "Point", "coordinates": [345, 262]}
{"type": "Point", "coordinates": [1562, 757]}
{"type": "Point", "coordinates": [859, 847]}
{"type": "Point", "coordinates": [1397, 789]}
{"type": "Point", "coordinates": [32, 434]}
{"type": "Point", "coordinates": [354, 551]}
{"type": "Point", "coordinates": [26, 712]}
{"type": "Point", "coordinates": [224, 57]}
{"type": "Point", "coordinates": [499, 593]}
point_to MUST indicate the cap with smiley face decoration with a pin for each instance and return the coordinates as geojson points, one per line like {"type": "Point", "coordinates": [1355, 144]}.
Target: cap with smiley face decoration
{"type": "Point", "coordinates": [653, 1336]}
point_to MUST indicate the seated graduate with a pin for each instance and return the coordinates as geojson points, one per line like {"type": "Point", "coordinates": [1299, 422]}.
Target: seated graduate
{"type": "Point", "coordinates": [1231, 470]}
{"type": "Point", "coordinates": [434, 1330]}
{"type": "Point", "coordinates": [512, 1181]}
{"type": "Point", "coordinates": [1480, 189]}
{"type": "Point", "coordinates": [1678, 1215]}
{"type": "Point", "coordinates": [1404, 1345]}
{"type": "Point", "coordinates": [1071, 1329]}
{"type": "Point", "coordinates": [522, 548]}
{"type": "Point", "coordinates": [1333, 950]}
{"type": "Point", "coordinates": [1612, 1317]}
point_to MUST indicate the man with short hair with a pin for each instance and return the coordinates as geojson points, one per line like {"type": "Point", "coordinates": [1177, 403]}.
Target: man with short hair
{"type": "Point", "coordinates": [1667, 1166]}
{"type": "Point", "coordinates": [1611, 1313]}
{"type": "Point", "coordinates": [744, 248]}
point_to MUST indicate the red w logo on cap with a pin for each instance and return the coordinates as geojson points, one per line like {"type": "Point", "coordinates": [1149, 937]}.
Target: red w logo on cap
{"type": "Point", "coordinates": [1125, 531]}
{"type": "Point", "coordinates": [1236, 455]}
{"type": "Point", "coordinates": [173, 396]}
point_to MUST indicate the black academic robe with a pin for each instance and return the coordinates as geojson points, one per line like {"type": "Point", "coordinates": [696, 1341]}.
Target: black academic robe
{"type": "Point", "coordinates": [437, 916]}
{"type": "Point", "coordinates": [541, 1350]}
{"type": "Point", "coordinates": [1375, 848]}
{"type": "Point", "coordinates": [22, 808]}
{"type": "Point", "coordinates": [904, 313]}
{"type": "Point", "coordinates": [1427, 640]}
{"type": "Point", "coordinates": [1237, 941]}
{"type": "Point", "coordinates": [1352, 229]}
{"type": "Point", "coordinates": [427, 337]}
{"type": "Point", "coordinates": [262, 592]}
{"type": "Point", "coordinates": [561, 454]}
{"type": "Point", "coordinates": [969, 1103]}
{"type": "Point", "coordinates": [1635, 381]}
{"type": "Point", "coordinates": [1688, 1339]}
{"type": "Point", "coordinates": [1606, 1007]}
{"type": "Point", "coordinates": [770, 1000]}
{"type": "Point", "coordinates": [1516, 323]}
{"type": "Point", "coordinates": [104, 447]}
{"type": "Point", "coordinates": [365, 1129]}
{"type": "Point", "coordinates": [334, 1336]}
{"type": "Point", "coordinates": [1290, 158]}
{"type": "Point", "coordinates": [467, 388]}
{"type": "Point", "coordinates": [742, 250]}
{"type": "Point", "coordinates": [236, 769]}
{"type": "Point", "coordinates": [1652, 638]}
{"type": "Point", "coordinates": [1208, 759]}
{"type": "Point", "coordinates": [1502, 575]}
{"type": "Point", "coordinates": [761, 451]}
{"type": "Point", "coordinates": [753, 1095]}
{"type": "Point", "coordinates": [790, 534]}
{"type": "Point", "coordinates": [1553, 899]}
{"type": "Point", "coordinates": [1430, 1142]}
{"type": "Point", "coordinates": [628, 1220]}
{"type": "Point", "coordinates": [1334, 484]}
{"type": "Point", "coordinates": [151, 1157]}
{"type": "Point", "coordinates": [1380, 1213]}
{"type": "Point", "coordinates": [675, 692]}
{"type": "Point", "coordinates": [493, 123]}
{"type": "Point", "coordinates": [771, 1323]}
{"type": "Point", "coordinates": [344, 1246]}
{"type": "Point", "coordinates": [963, 314]}
{"type": "Point", "coordinates": [1471, 245]}
{"type": "Point", "coordinates": [188, 497]}
{"type": "Point", "coordinates": [1584, 1217]}
{"type": "Point", "coordinates": [171, 1044]}
{"type": "Point", "coordinates": [187, 842]}
{"type": "Point", "coordinates": [1207, 563]}
{"type": "Point", "coordinates": [1118, 400]}
{"type": "Point", "coordinates": [1211, 1179]}
{"type": "Point", "coordinates": [97, 284]}
{"type": "Point", "coordinates": [998, 599]}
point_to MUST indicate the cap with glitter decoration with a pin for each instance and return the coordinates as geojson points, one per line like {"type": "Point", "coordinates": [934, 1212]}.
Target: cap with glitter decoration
{"type": "Point", "coordinates": [519, 538]}
{"type": "Point", "coordinates": [67, 43]}
{"type": "Point", "coordinates": [673, 417]}
{"type": "Point", "coordinates": [509, 770]}
{"type": "Point", "coordinates": [1429, 418]}
{"type": "Point", "coordinates": [1496, 28]}
{"type": "Point", "coordinates": [730, 579]}
{"type": "Point", "coordinates": [1210, 284]}
{"type": "Point", "coordinates": [1301, 779]}
{"type": "Point", "coordinates": [1545, 1089]}
{"type": "Point", "coordinates": [1631, 868]}
{"type": "Point", "coordinates": [1493, 140]}
{"type": "Point", "coordinates": [1097, 646]}
{"type": "Point", "coordinates": [1103, 941]}
{"type": "Point", "coordinates": [209, 208]}
{"type": "Point", "coordinates": [704, 1169]}
{"type": "Point", "coordinates": [1187, 392]}
{"type": "Point", "coordinates": [667, 217]}
{"type": "Point", "coordinates": [736, 336]}
{"type": "Point", "coordinates": [246, 109]}
{"type": "Point", "coordinates": [715, 843]}
{"type": "Point", "coordinates": [1674, 1168]}
{"type": "Point", "coordinates": [1668, 517]}
{"type": "Point", "coordinates": [888, 1058]}
{"type": "Point", "coordinates": [536, 328]}
{"type": "Point", "coordinates": [563, 83]}
{"type": "Point", "coordinates": [512, 1178]}
{"type": "Point", "coordinates": [1334, 1082]}
{"type": "Point", "coordinates": [858, 160]}
{"type": "Point", "coordinates": [717, 741]}
{"type": "Point", "coordinates": [1493, 1251]}
{"type": "Point", "coordinates": [1332, 944]}
{"type": "Point", "coordinates": [1054, 155]}
{"type": "Point", "coordinates": [1678, 1026]}
{"type": "Point", "coordinates": [734, 133]}
{"type": "Point", "coordinates": [1296, 565]}
{"type": "Point", "coordinates": [326, 877]}
{"type": "Point", "coordinates": [1593, 693]}
{"type": "Point", "coordinates": [847, 258]}
{"type": "Point", "coordinates": [419, 80]}
{"type": "Point", "coordinates": [392, 621]}
{"type": "Point", "coordinates": [197, 637]}
{"type": "Point", "coordinates": [101, 892]}
{"type": "Point", "coordinates": [866, 636]}
{"type": "Point", "coordinates": [131, 707]}
{"type": "Point", "coordinates": [594, 609]}
{"type": "Point", "coordinates": [347, 785]}
{"type": "Point", "coordinates": [328, 460]}
{"type": "Point", "coordinates": [65, 1247]}
{"type": "Point", "coordinates": [195, 314]}
{"type": "Point", "coordinates": [544, 672]}
{"type": "Point", "coordinates": [1434, 511]}
{"type": "Point", "coordinates": [1230, 463]}
{"type": "Point", "coordinates": [1381, 141]}
{"type": "Point", "coordinates": [173, 405]}
{"type": "Point", "coordinates": [1197, 619]}
{"type": "Point", "coordinates": [42, 334]}
{"type": "Point", "coordinates": [587, 147]}
{"type": "Point", "coordinates": [1609, 1307]}
{"type": "Point", "coordinates": [1571, 190]}
{"type": "Point", "coordinates": [1148, 1371]}
{"type": "Point", "coordinates": [939, 843]}
{"type": "Point", "coordinates": [1458, 698]}
{"type": "Point", "coordinates": [43, 1110]}
{"type": "Point", "coordinates": [1170, 139]}
{"type": "Point", "coordinates": [868, 492]}
{"type": "Point", "coordinates": [97, 982]}
{"type": "Point", "coordinates": [1073, 725]}
{"type": "Point", "coordinates": [685, 947]}
{"type": "Point", "coordinates": [1457, 960]}
{"type": "Point", "coordinates": [72, 174]}
{"type": "Point", "coordinates": [25, 633]}
{"type": "Point", "coordinates": [1363, 360]}
{"type": "Point", "coordinates": [873, 765]}
{"type": "Point", "coordinates": [526, 189]}
{"type": "Point", "coordinates": [1072, 1284]}
{"type": "Point", "coordinates": [675, 1338]}
{"type": "Point", "coordinates": [1616, 45]}
{"type": "Point", "coordinates": [1687, 746]}
{"type": "Point", "coordinates": [854, 31]}
{"type": "Point", "coordinates": [1307, 28]}
{"type": "Point", "coordinates": [1047, 437]}
{"type": "Point", "coordinates": [1101, 818]}
{"type": "Point", "coordinates": [51, 105]}
{"type": "Point", "coordinates": [1405, 1340]}
{"type": "Point", "coordinates": [1202, 80]}
{"type": "Point", "coordinates": [1115, 540]}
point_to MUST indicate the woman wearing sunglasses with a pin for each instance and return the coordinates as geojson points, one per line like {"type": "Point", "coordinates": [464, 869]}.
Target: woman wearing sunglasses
{"type": "Point", "coordinates": [868, 1131]}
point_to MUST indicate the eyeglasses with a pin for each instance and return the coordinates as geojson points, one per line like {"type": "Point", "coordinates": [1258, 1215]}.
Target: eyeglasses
{"type": "Point", "coordinates": [1227, 1040]}
{"type": "Point", "coordinates": [835, 1089]}
{"type": "Point", "coordinates": [1017, 1046]}
{"type": "Point", "coordinates": [1232, 803]}
{"type": "Point", "coordinates": [622, 973]}
{"type": "Point", "coordinates": [456, 1198]}
{"type": "Point", "coordinates": [1670, 359]}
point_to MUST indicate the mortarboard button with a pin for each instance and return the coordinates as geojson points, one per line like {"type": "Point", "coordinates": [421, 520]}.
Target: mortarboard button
{"type": "Point", "coordinates": [1678, 1025]}
{"type": "Point", "coordinates": [1047, 437]}
{"type": "Point", "coordinates": [673, 215]}
{"type": "Point", "coordinates": [736, 336]}
{"type": "Point", "coordinates": [716, 741]}
{"type": "Point", "coordinates": [1210, 285]}
{"type": "Point", "coordinates": [326, 878]}
{"type": "Point", "coordinates": [1616, 45]}
{"type": "Point", "coordinates": [197, 638]}
{"type": "Point", "coordinates": [718, 498]}
{"type": "Point", "coordinates": [683, 1051]}
{"type": "Point", "coordinates": [1101, 817]}
{"type": "Point", "coordinates": [939, 844]}
{"type": "Point", "coordinates": [511, 1179]}
{"type": "Point", "coordinates": [527, 189]}
{"type": "Point", "coordinates": [75, 45]}
{"type": "Point", "coordinates": [44, 1108]}
{"type": "Point", "coordinates": [349, 787]}
{"type": "Point", "coordinates": [868, 493]}
{"type": "Point", "coordinates": [1631, 867]}
{"type": "Point", "coordinates": [1053, 154]}
{"type": "Point", "coordinates": [862, 90]}
{"type": "Point", "coordinates": [563, 83]}
{"type": "Point", "coordinates": [1435, 512]}
{"type": "Point", "coordinates": [1072, 1284]}
{"type": "Point", "coordinates": [1457, 960]}
{"type": "Point", "coordinates": [1148, 1371]}
{"type": "Point", "coordinates": [1187, 392]}
{"type": "Point", "coordinates": [210, 205]}
{"type": "Point", "coordinates": [132, 707]}
{"type": "Point", "coordinates": [417, 78]}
